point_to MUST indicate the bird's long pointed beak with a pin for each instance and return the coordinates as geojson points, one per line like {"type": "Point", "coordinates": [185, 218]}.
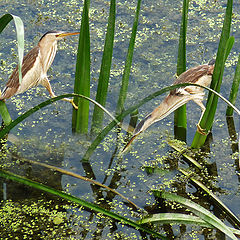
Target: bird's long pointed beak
{"type": "Point", "coordinates": [125, 149]}
{"type": "Point", "coordinates": [67, 34]}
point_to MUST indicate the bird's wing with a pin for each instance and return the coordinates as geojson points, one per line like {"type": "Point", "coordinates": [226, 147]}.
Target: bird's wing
{"type": "Point", "coordinates": [191, 76]}
{"type": "Point", "coordinates": [13, 82]}
{"type": "Point", "coordinates": [28, 62]}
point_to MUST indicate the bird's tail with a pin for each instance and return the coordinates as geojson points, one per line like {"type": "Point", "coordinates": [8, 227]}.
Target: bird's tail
{"type": "Point", "coordinates": [7, 93]}
{"type": "Point", "coordinates": [3, 94]}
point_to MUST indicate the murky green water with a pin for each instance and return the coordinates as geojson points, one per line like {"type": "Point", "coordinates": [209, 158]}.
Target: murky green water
{"type": "Point", "coordinates": [46, 136]}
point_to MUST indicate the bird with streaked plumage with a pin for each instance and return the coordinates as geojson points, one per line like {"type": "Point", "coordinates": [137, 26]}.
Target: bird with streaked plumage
{"type": "Point", "coordinates": [35, 66]}
{"type": "Point", "coordinates": [201, 75]}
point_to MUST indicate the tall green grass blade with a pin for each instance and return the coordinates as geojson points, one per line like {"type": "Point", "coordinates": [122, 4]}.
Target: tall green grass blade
{"type": "Point", "coordinates": [223, 50]}
{"type": "Point", "coordinates": [234, 90]}
{"type": "Point", "coordinates": [4, 20]}
{"type": "Point", "coordinates": [174, 218]}
{"type": "Point", "coordinates": [126, 73]}
{"type": "Point", "coordinates": [105, 69]}
{"type": "Point", "coordinates": [5, 114]}
{"type": "Point", "coordinates": [179, 218]}
{"type": "Point", "coordinates": [223, 98]}
{"type": "Point", "coordinates": [181, 61]}
{"type": "Point", "coordinates": [6, 129]}
{"type": "Point", "coordinates": [229, 45]}
{"type": "Point", "coordinates": [233, 137]}
{"type": "Point", "coordinates": [201, 212]}
{"type": "Point", "coordinates": [180, 115]}
{"type": "Point", "coordinates": [213, 196]}
{"type": "Point", "coordinates": [82, 75]}
{"type": "Point", "coordinates": [79, 201]}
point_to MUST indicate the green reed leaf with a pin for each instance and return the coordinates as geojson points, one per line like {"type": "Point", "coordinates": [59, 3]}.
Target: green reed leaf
{"type": "Point", "coordinates": [216, 200]}
{"type": "Point", "coordinates": [234, 89]}
{"type": "Point", "coordinates": [105, 69]}
{"type": "Point", "coordinates": [128, 63]}
{"type": "Point", "coordinates": [223, 51]}
{"type": "Point", "coordinates": [5, 114]}
{"type": "Point", "coordinates": [180, 115]}
{"type": "Point", "coordinates": [174, 218]}
{"type": "Point", "coordinates": [4, 20]}
{"type": "Point", "coordinates": [82, 75]}
{"type": "Point", "coordinates": [200, 211]}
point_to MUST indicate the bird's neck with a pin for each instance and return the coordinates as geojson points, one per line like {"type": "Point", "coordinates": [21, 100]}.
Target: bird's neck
{"type": "Point", "coordinates": [47, 52]}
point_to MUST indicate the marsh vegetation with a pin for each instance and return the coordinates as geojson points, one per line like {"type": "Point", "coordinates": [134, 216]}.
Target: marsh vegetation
{"type": "Point", "coordinates": [63, 173]}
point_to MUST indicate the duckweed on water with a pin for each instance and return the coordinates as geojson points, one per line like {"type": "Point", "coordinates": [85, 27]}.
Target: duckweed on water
{"type": "Point", "coordinates": [47, 220]}
{"type": "Point", "coordinates": [31, 220]}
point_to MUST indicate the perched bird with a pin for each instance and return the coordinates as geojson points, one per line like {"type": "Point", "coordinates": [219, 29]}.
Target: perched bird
{"type": "Point", "coordinates": [35, 66]}
{"type": "Point", "coordinates": [201, 75]}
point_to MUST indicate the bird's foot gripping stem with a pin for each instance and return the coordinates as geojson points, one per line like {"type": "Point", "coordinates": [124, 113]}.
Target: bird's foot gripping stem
{"type": "Point", "coordinates": [201, 130]}
{"type": "Point", "coordinates": [71, 101]}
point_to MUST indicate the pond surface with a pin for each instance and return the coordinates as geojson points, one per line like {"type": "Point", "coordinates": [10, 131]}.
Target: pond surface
{"type": "Point", "coordinates": [47, 136]}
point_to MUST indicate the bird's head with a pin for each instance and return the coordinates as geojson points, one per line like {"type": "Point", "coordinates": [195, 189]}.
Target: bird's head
{"type": "Point", "coordinates": [52, 36]}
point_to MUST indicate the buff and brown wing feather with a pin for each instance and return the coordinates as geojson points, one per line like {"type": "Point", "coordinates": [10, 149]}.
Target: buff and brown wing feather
{"type": "Point", "coordinates": [192, 76]}
{"type": "Point", "coordinates": [13, 82]}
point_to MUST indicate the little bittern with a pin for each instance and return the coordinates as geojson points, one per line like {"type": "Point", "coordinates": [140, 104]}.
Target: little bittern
{"type": "Point", "coordinates": [201, 75]}
{"type": "Point", "coordinates": [35, 66]}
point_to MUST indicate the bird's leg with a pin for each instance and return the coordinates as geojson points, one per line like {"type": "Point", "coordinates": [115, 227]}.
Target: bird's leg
{"type": "Point", "coordinates": [71, 101]}
{"type": "Point", "coordinates": [199, 129]}
{"type": "Point", "coordinates": [45, 82]}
